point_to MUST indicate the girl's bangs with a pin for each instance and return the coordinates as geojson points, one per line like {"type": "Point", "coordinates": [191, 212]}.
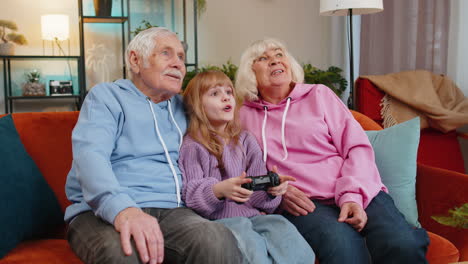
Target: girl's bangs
{"type": "Point", "coordinates": [213, 79]}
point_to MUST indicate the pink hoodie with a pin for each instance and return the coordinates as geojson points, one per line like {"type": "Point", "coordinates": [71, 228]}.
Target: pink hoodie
{"type": "Point", "coordinates": [312, 136]}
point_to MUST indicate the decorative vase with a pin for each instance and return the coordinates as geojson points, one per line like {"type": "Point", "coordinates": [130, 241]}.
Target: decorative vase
{"type": "Point", "coordinates": [7, 49]}
{"type": "Point", "coordinates": [33, 89]}
{"type": "Point", "coordinates": [103, 7]}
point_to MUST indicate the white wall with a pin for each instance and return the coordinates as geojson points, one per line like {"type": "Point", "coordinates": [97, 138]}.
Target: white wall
{"type": "Point", "coordinates": [228, 27]}
{"type": "Point", "coordinates": [458, 43]}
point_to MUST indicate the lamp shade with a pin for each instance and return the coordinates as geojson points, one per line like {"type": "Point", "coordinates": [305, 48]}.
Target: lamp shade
{"type": "Point", "coordinates": [54, 27]}
{"type": "Point", "coordinates": [341, 7]}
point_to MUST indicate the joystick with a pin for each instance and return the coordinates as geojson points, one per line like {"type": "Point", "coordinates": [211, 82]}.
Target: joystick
{"type": "Point", "coordinates": [262, 183]}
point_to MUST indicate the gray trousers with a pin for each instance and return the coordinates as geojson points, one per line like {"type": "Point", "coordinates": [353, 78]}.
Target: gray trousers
{"type": "Point", "coordinates": [188, 238]}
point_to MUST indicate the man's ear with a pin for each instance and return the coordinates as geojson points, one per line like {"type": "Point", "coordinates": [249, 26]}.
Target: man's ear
{"type": "Point", "coordinates": [135, 62]}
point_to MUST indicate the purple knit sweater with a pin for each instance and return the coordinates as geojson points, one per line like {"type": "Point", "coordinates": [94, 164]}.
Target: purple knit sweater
{"type": "Point", "coordinates": [200, 173]}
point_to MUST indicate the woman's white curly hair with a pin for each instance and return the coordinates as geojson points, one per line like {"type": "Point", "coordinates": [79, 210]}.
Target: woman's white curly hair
{"type": "Point", "coordinates": [246, 81]}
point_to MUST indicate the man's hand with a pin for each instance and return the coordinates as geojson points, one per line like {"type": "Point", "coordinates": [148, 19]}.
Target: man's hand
{"type": "Point", "coordinates": [296, 202]}
{"type": "Point", "coordinates": [353, 214]}
{"type": "Point", "coordinates": [231, 189]}
{"type": "Point", "coordinates": [144, 228]}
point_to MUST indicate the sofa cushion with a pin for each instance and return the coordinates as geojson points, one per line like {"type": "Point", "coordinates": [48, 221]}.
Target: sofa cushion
{"type": "Point", "coordinates": [395, 155]}
{"type": "Point", "coordinates": [27, 204]}
{"type": "Point", "coordinates": [441, 251]}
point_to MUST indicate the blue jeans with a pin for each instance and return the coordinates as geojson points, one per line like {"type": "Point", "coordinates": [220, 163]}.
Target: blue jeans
{"type": "Point", "coordinates": [386, 238]}
{"type": "Point", "coordinates": [269, 239]}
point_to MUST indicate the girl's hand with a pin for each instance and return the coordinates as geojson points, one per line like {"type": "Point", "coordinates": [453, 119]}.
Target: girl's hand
{"type": "Point", "coordinates": [231, 189]}
{"type": "Point", "coordinates": [283, 187]}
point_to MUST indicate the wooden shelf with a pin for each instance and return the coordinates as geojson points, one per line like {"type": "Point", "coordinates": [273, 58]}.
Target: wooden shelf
{"type": "Point", "coordinates": [42, 97]}
{"type": "Point", "coordinates": [37, 57]}
{"type": "Point", "coordinates": [96, 19]}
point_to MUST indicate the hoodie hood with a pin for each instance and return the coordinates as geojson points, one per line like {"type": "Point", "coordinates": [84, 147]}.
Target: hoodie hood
{"type": "Point", "coordinates": [299, 91]}
{"type": "Point", "coordinates": [128, 86]}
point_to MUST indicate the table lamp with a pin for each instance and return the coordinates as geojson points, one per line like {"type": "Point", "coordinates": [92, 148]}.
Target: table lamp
{"type": "Point", "coordinates": [55, 28]}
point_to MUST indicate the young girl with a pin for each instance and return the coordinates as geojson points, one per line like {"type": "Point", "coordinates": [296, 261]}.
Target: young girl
{"type": "Point", "coordinates": [215, 158]}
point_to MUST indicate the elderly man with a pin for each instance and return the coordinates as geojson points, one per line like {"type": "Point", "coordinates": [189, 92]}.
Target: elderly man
{"type": "Point", "coordinates": [125, 182]}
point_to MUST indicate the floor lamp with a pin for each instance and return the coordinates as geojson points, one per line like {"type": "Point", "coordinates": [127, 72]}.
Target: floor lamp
{"type": "Point", "coordinates": [350, 8]}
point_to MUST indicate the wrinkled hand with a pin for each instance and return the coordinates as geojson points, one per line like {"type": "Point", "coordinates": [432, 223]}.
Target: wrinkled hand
{"type": "Point", "coordinates": [144, 228]}
{"type": "Point", "coordinates": [283, 187]}
{"type": "Point", "coordinates": [231, 189]}
{"type": "Point", "coordinates": [353, 214]}
{"type": "Point", "coordinates": [296, 202]}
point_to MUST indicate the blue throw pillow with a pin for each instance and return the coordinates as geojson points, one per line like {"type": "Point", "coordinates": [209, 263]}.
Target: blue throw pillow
{"type": "Point", "coordinates": [28, 207]}
{"type": "Point", "coordinates": [396, 149]}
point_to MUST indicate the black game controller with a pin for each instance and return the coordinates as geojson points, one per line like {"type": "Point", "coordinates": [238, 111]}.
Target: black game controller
{"type": "Point", "coordinates": [262, 183]}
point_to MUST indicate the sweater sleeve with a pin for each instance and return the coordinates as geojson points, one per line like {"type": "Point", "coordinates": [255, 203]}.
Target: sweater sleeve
{"type": "Point", "coordinates": [360, 179]}
{"type": "Point", "coordinates": [93, 140]}
{"type": "Point", "coordinates": [256, 167]}
{"type": "Point", "coordinates": [197, 191]}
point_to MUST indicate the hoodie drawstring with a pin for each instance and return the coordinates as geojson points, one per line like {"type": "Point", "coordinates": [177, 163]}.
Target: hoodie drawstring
{"type": "Point", "coordinates": [283, 124]}
{"type": "Point", "coordinates": [169, 160]}
{"type": "Point", "coordinates": [263, 134]}
{"type": "Point", "coordinates": [177, 126]}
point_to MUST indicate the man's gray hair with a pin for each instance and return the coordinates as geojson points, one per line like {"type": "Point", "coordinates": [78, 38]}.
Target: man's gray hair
{"type": "Point", "coordinates": [246, 81]}
{"type": "Point", "coordinates": [143, 44]}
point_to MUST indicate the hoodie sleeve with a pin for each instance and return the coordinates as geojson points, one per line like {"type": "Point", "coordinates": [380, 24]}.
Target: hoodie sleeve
{"type": "Point", "coordinates": [256, 167]}
{"type": "Point", "coordinates": [360, 180]}
{"type": "Point", "coordinates": [93, 140]}
{"type": "Point", "coordinates": [197, 191]}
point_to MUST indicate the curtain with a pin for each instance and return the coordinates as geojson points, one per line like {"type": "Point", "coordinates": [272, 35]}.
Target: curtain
{"type": "Point", "coordinates": [407, 35]}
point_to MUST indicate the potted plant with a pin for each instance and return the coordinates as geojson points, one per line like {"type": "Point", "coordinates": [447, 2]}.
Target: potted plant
{"type": "Point", "coordinates": [33, 87]}
{"type": "Point", "coordinates": [330, 77]}
{"type": "Point", "coordinates": [145, 24]}
{"type": "Point", "coordinates": [103, 7]}
{"type": "Point", "coordinates": [6, 45]}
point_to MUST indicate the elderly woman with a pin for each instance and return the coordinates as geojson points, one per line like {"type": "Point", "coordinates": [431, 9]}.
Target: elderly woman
{"type": "Point", "coordinates": [338, 201]}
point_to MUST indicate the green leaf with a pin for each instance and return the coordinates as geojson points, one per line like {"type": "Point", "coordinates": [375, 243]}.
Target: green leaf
{"type": "Point", "coordinates": [331, 78]}
{"type": "Point", "coordinates": [458, 217]}
{"type": "Point", "coordinates": [146, 25]}
{"type": "Point", "coordinates": [17, 38]}
{"type": "Point", "coordinates": [8, 24]}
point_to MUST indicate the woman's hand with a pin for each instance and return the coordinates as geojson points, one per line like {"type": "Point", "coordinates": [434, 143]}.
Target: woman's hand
{"type": "Point", "coordinates": [296, 202]}
{"type": "Point", "coordinates": [231, 189]}
{"type": "Point", "coordinates": [353, 214]}
{"type": "Point", "coordinates": [283, 187]}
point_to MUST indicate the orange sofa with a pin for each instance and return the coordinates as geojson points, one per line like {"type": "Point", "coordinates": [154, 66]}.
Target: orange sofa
{"type": "Point", "coordinates": [47, 139]}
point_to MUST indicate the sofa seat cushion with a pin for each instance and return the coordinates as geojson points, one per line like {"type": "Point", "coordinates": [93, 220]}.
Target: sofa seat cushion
{"type": "Point", "coordinates": [47, 251]}
{"type": "Point", "coordinates": [441, 251]}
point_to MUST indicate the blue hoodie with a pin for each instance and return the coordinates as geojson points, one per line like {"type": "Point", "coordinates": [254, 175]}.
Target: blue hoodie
{"type": "Point", "coordinates": [121, 145]}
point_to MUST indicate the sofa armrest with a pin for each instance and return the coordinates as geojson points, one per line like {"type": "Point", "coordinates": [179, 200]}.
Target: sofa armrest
{"type": "Point", "coordinates": [437, 191]}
